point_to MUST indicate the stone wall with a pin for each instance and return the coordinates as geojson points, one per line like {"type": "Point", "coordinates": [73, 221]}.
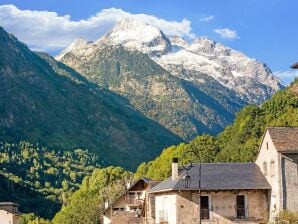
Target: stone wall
{"type": "Point", "coordinates": [289, 164]}
{"type": "Point", "coordinates": [127, 218]}
{"type": "Point", "coordinates": [223, 207]}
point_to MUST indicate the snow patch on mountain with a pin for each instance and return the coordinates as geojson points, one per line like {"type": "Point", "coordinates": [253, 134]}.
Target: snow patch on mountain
{"type": "Point", "coordinates": [252, 79]}
{"type": "Point", "coordinates": [136, 35]}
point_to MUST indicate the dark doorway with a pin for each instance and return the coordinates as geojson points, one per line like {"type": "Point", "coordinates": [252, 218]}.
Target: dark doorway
{"type": "Point", "coordinates": [205, 207]}
{"type": "Point", "coordinates": [240, 203]}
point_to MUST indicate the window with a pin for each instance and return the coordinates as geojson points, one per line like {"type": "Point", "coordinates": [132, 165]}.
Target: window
{"type": "Point", "coordinates": [139, 195]}
{"type": "Point", "coordinates": [240, 206]}
{"type": "Point", "coordinates": [267, 145]}
{"type": "Point", "coordinates": [265, 168]}
{"type": "Point", "coordinates": [205, 212]}
{"type": "Point", "coordinates": [272, 168]}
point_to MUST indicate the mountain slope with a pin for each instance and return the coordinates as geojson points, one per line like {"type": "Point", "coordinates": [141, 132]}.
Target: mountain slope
{"type": "Point", "coordinates": [172, 82]}
{"type": "Point", "coordinates": [239, 142]}
{"type": "Point", "coordinates": [45, 101]}
{"type": "Point", "coordinates": [184, 108]}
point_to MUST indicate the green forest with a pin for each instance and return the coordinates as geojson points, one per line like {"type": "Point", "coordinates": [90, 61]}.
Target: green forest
{"type": "Point", "coordinates": [239, 142]}
{"type": "Point", "coordinates": [35, 176]}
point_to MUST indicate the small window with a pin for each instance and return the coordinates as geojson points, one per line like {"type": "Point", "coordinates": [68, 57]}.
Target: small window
{"type": "Point", "coordinates": [139, 195]}
{"type": "Point", "coordinates": [272, 168]}
{"type": "Point", "coordinates": [267, 145]}
{"type": "Point", "coordinates": [205, 212]}
{"type": "Point", "coordinates": [265, 168]}
{"type": "Point", "coordinates": [240, 204]}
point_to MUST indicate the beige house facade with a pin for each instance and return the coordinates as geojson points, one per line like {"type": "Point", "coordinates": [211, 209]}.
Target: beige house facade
{"type": "Point", "coordinates": [9, 213]}
{"type": "Point", "coordinates": [229, 193]}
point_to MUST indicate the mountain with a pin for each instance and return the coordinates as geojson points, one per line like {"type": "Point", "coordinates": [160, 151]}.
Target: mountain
{"type": "Point", "coordinates": [239, 142]}
{"type": "Point", "coordinates": [188, 88]}
{"type": "Point", "coordinates": [45, 101]}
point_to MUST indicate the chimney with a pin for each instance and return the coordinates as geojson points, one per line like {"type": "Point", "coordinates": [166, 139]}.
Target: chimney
{"type": "Point", "coordinates": [174, 168]}
{"type": "Point", "coordinates": [107, 204]}
{"type": "Point", "coordinates": [128, 184]}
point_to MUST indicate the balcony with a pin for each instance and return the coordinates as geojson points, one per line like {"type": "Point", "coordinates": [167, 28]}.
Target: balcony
{"type": "Point", "coordinates": [134, 202]}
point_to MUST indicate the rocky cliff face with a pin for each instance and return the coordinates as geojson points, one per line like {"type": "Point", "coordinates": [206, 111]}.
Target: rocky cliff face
{"type": "Point", "coordinates": [189, 88]}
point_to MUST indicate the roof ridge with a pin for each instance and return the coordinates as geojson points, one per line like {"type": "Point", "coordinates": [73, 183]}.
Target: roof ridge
{"type": "Point", "coordinates": [282, 127]}
{"type": "Point", "coordinates": [197, 163]}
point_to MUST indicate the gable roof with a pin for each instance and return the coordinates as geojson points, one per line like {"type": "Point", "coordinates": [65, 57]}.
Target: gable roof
{"type": "Point", "coordinates": [144, 179]}
{"type": "Point", "coordinates": [285, 139]}
{"type": "Point", "coordinates": [218, 176]}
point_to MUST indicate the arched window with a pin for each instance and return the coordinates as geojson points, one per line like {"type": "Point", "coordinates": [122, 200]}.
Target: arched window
{"type": "Point", "coordinates": [272, 168]}
{"type": "Point", "coordinates": [265, 168]}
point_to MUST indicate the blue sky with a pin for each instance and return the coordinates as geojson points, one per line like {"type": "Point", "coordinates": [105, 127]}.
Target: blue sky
{"type": "Point", "coordinates": [263, 29]}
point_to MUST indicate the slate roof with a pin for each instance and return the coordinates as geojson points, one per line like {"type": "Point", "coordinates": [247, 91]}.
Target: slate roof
{"type": "Point", "coordinates": [295, 65]}
{"type": "Point", "coordinates": [285, 139]}
{"type": "Point", "coordinates": [218, 176]}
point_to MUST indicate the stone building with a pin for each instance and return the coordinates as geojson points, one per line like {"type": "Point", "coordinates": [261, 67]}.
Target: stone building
{"type": "Point", "coordinates": [234, 192]}
{"type": "Point", "coordinates": [278, 161]}
{"type": "Point", "coordinates": [227, 193]}
{"type": "Point", "coordinates": [9, 213]}
{"type": "Point", "coordinates": [134, 206]}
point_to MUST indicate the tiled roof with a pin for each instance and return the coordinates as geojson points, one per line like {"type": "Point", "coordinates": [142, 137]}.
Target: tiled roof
{"type": "Point", "coordinates": [285, 139]}
{"type": "Point", "coordinates": [295, 65]}
{"type": "Point", "coordinates": [218, 176]}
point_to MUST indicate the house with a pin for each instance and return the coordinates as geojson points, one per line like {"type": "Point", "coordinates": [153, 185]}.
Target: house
{"type": "Point", "coordinates": [295, 66]}
{"type": "Point", "coordinates": [134, 206]}
{"type": "Point", "coordinates": [227, 193]}
{"type": "Point", "coordinates": [278, 161]}
{"type": "Point", "coordinates": [234, 192]}
{"type": "Point", "coordinates": [9, 213]}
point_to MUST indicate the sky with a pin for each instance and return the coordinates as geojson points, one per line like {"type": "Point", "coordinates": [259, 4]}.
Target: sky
{"type": "Point", "coordinates": [263, 29]}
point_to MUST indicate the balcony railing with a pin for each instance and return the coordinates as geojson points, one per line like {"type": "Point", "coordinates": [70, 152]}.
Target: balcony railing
{"type": "Point", "coordinates": [134, 201]}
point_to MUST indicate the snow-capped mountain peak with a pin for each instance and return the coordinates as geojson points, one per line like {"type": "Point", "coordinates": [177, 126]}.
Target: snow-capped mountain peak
{"type": "Point", "coordinates": [78, 44]}
{"type": "Point", "coordinates": [137, 35]}
{"type": "Point", "coordinates": [178, 41]}
{"type": "Point", "coordinates": [251, 79]}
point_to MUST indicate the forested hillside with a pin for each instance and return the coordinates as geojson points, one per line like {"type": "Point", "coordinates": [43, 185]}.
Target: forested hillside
{"type": "Point", "coordinates": [87, 204]}
{"type": "Point", "coordinates": [45, 101]}
{"type": "Point", "coordinates": [40, 179]}
{"type": "Point", "coordinates": [239, 142]}
{"type": "Point", "coordinates": [185, 108]}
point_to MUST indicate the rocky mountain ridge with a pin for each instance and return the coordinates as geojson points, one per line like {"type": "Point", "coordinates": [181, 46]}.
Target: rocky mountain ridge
{"type": "Point", "coordinates": [252, 80]}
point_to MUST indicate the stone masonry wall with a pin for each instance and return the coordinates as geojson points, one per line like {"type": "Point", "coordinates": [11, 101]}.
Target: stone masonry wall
{"type": "Point", "coordinates": [290, 181]}
{"type": "Point", "coordinates": [223, 207]}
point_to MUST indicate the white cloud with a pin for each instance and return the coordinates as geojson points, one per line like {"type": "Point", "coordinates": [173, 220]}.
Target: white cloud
{"type": "Point", "coordinates": [206, 18]}
{"type": "Point", "coordinates": [227, 33]}
{"type": "Point", "coordinates": [287, 76]}
{"type": "Point", "coordinates": [46, 31]}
